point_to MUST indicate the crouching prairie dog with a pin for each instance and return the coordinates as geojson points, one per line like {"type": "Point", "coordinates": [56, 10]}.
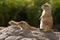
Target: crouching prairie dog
{"type": "Point", "coordinates": [46, 22]}
{"type": "Point", "coordinates": [26, 26]}
{"type": "Point", "coordinates": [12, 22]}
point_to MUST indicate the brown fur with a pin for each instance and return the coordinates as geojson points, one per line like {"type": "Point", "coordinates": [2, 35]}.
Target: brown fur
{"type": "Point", "coordinates": [47, 20]}
{"type": "Point", "coordinates": [12, 22]}
{"type": "Point", "coordinates": [26, 26]}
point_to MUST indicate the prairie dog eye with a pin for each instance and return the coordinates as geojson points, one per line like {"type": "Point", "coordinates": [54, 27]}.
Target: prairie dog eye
{"type": "Point", "coordinates": [46, 5]}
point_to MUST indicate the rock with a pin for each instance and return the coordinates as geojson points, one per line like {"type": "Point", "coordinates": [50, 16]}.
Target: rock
{"type": "Point", "coordinates": [10, 30]}
{"type": "Point", "coordinates": [3, 36]}
{"type": "Point", "coordinates": [28, 39]}
{"type": "Point", "coordinates": [26, 33]}
{"type": "Point", "coordinates": [2, 28]}
{"type": "Point", "coordinates": [13, 38]}
{"type": "Point", "coordinates": [14, 33]}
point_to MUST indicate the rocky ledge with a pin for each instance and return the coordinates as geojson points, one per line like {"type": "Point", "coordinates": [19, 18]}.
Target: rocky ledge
{"type": "Point", "coordinates": [14, 33]}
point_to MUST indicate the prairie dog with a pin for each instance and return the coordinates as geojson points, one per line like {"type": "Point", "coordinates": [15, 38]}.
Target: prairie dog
{"type": "Point", "coordinates": [12, 22]}
{"type": "Point", "coordinates": [46, 22]}
{"type": "Point", "coordinates": [26, 26]}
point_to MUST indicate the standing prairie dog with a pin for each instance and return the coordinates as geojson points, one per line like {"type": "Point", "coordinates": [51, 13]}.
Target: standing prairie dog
{"type": "Point", "coordinates": [46, 22]}
{"type": "Point", "coordinates": [26, 26]}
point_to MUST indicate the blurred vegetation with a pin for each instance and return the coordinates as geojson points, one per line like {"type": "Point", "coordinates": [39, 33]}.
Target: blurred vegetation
{"type": "Point", "coordinates": [27, 10]}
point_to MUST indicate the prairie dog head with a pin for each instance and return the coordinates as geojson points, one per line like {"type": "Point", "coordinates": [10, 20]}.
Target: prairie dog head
{"type": "Point", "coordinates": [23, 24]}
{"type": "Point", "coordinates": [46, 6]}
{"type": "Point", "coordinates": [12, 22]}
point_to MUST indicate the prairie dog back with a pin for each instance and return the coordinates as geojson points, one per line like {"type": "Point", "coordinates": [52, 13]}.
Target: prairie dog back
{"type": "Point", "coordinates": [26, 26]}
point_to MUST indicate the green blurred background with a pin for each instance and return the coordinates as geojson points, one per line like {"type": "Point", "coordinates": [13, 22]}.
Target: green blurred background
{"type": "Point", "coordinates": [27, 10]}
